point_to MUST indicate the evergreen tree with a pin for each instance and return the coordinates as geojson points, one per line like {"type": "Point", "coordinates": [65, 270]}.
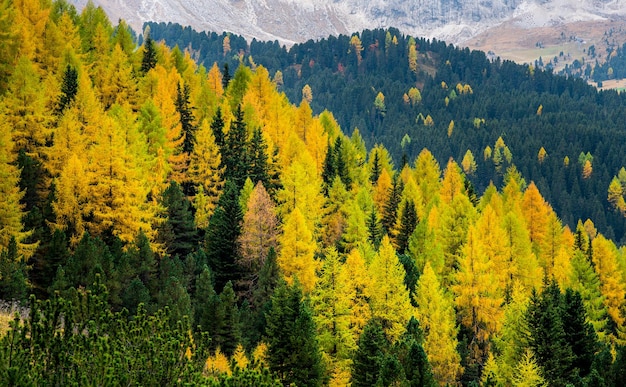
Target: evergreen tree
{"type": "Point", "coordinates": [293, 352]}
{"type": "Point", "coordinates": [13, 285]}
{"type": "Point", "coordinates": [69, 88]}
{"type": "Point", "coordinates": [368, 358]}
{"type": "Point", "coordinates": [225, 76]}
{"type": "Point", "coordinates": [221, 237]}
{"type": "Point", "coordinates": [149, 59]}
{"type": "Point", "coordinates": [187, 119]}
{"type": "Point", "coordinates": [234, 152]}
{"type": "Point", "coordinates": [227, 333]}
{"type": "Point", "coordinates": [178, 233]}
{"type": "Point", "coordinates": [548, 339]}
{"type": "Point", "coordinates": [412, 358]}
{"type": "Point", "coordinates": [258, 163]}
{"type": "Point", "coordinates": [390, 212]}
{"type": "Point", "coordinates": [579, 333]}
{"type": "Point", "coordinates": [217, 126]}
{"type": "Point", "coordinates": [408, 222]}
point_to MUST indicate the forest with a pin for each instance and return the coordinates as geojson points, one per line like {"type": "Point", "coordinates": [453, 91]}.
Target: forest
{"type": "Point", "coordinates": [449, 100]}
{"type": "Point", "coordinates": [169, 222]}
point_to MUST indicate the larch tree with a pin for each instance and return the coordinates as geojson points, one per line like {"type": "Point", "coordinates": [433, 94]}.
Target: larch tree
{"type": "Point", "coordinates": [25, 109]}
{"type": "Point", "coordinates": [389, 297]}
{"type": "Point", "coordinates": [297, 251]}
{"type": "Point", "coordinates": [478, 296]}
{"type": "Point", "coordinates": [435, 312]}
{"type": "Point", "coordinates": [586, 281]}
{"type": "Point", "coordinates": [535, 211]}
{"type": "Point", "coordinates": [72, 206]}
{"type": "Point", "coordinates": [301, 186]}
{"type": "Point", "coordinates": [118, 198]}
{"type": "Point", "coordinates": [612, 285]}
{"type": "Point", "coordinates": [427, 177]}
{"type": "Point", "coordinates": [358, 282]}
{"type": "Point", "coordinates": [205, 167]}
{"type": "Point", "coordinates": [330, 303]}
{"type": "Point", "coordinates": [259, 231]}
{"type": "Point", "coordinates": [10, 208]}
{"type": "Point", "coordinates": [452, 183]}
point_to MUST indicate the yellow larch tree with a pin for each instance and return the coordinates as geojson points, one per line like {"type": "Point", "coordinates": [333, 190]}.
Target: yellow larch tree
{"type": "Point", "coordinates": [535, 211]}
{"type": "Point", "coordinates": [118, 84]}
{"type": "Point", "coordinates": [469, 163]}
{"type": "Point", "coordinates": [355, 276]}
{"type": "Point", "coordinates": [31, 18]}
{"type": "Point", "coordinates": [478, 296]}
{"type": "Point", "coordinates": [522, 264]}
{"type": "Point", "coordinates": [435, 312]}
{"type": "Point", "coordinates": [452, 183]}
{"type": "Point", "coordinates": [550, 243]}
{"type": "Point", "coordinates": [72, 204]}
{"type": "Point", "coordinates": [451, 233]}
{"type": "Point", "coordinates": [297, 251]}
{"type": "Point", "coordinates": [118, 198]}
{"type": "Point", "coordinates": [492, 237]}
{"type": "Point", "coordinates": [330, 302]}
{"type": "Point", "coordinates": [427, 177]}
{"type": "Point", "coordinates": [381, 190]}
{"type": "Point", "coordinates": [301, 188]}
{"type": "Point", "coordinates": [389, 297]}
{"type": "Point", "coordinates": [10, 207]}
{"type": "Point", "coordinates": [604, 255]}
{"type": "Point", "coordinates": [356, 44]}
{"type": "Point", "coordinates": [205, 167]}
{"type": "Point", "coordinates": [25, 109]}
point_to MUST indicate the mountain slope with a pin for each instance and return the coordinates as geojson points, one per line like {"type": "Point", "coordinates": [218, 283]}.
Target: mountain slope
{"type": "Point", "coordinates": [290, 21]}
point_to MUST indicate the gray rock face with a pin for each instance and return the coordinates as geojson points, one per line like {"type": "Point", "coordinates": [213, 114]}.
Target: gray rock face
{"type": "Point", "coordinates": [290, 21]}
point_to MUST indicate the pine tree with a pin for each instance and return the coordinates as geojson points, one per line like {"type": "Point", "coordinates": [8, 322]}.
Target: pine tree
{"type": "Point", "coordinates": [579, 333]}
{"type": "Point", "coordinates": [412, 358]}
{"type": "Point", "coordinates": [259, 160]}
{"type": "Point", "coordinates": [234, 152]}
{"type": "Point", "coordinates": [69, 88]}
{"type": "Point", "coordinates": [227, 333]}
{"type": "Point", "coordinates": [187, 119]}
{"type": "Point", "coordinates": [221, 237]}
{"type": "Point", "coordinates": [548, 339]}
{"type": "Point", "coordinates": [178, 233]}
{"type": "Point", "coordinates": [149, 58]}
{"type": "Point", "coordinates": [390, 212]}
{"type": "Point", "coordinates": [293, 352]}
{"type": "Point", "coordinates": [408, 222]}
{"type": "Point", "coordinates": [368, 358]}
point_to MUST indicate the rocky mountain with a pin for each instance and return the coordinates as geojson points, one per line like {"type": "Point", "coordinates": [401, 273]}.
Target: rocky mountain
{"type": "Point", "coordinates": [290, 21]}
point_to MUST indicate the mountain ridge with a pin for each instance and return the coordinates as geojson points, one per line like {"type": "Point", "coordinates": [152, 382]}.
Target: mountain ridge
{"type": "Point", "coordinates": [293, 21]}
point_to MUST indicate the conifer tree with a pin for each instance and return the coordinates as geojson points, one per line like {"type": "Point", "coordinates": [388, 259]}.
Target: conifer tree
{"type": "Point", "coordinates": [390, 212]}
{"type": "Point", "coordinates": [178, 233]}
{"type": "Point", "coordinates": [330, 303]}
{"type": "Point", "coordinates": [407, 223]}
{"type": "Point", "coordinates": [149, 57]}
{"type": "Point", "coordinates": [369, 356]}
{"type": "Point", "coordinates": [11, 213]}
{"type": "Point", "coordinates": [357, 280]}
{"type": "Point", "coordinates": [436, 314]}
{"type": "Point", "coordinates": [234, 152]}
{"type": "Point", "coordinates": [69, 88]}
{"type": "Point", "coordinates": [293, 352]}
{"type": "Point", "coordinates": [221, 237]}
{"type": "Point", "coordinates": [297, 251]}
{"type": "Point", "coordinates": [389, 297]}
{"type": "Point", "coordinates": [205, 169]}
{"type": "Point", "coordinates": [259, 159]}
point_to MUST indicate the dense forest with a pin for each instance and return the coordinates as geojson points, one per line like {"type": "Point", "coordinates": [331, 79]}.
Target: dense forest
{"type": "Point", "coordinates": [449, 100]}
{"type": "Point", "coordinates": [169, 223]}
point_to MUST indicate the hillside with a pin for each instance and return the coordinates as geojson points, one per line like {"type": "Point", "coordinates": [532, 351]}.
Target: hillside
{"type": "Point", "coordinates": [166, 223]}
{"type": "Point", "coordinates": [504, 102]}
